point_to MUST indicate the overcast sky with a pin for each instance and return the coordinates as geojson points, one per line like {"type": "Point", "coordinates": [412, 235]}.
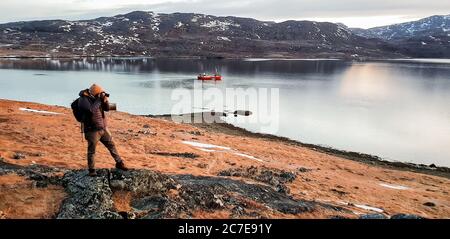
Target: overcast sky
{"type": "Point", "coordinates": [354, 13]}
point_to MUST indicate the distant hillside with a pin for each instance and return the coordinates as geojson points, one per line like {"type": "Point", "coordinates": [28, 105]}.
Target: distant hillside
{"type": "Point", "coordinates": [186, 34]}
{"type": "Point", "coordinates": [428, 37]}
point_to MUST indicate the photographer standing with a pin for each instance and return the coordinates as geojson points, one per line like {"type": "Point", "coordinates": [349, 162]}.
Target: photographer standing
{"type": "Point", "coordinates": [93, 103]}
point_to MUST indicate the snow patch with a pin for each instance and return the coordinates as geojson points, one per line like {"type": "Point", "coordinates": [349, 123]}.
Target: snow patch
{"type": "Point", "coordinates": [39, 111]}
{"type": "Point", "coordinates": [365, 207]}
{"type": "Point", "coordinates": [203, 145]}
{"type": "Point", "coordinates": [207, 150]}
{"type": "Point", "coordinates": [107, 24]}
{"type": "Point", "coordinates": [67, 28]}
{"type": "Point", "coordinates": [212, 148]}
{"type": "Point", "coordinates": [248, 156]}
{"type": "Point", "coordinates": [195, 18]}
{"type": "Point", "coordinates": [179, 24]}
{"type": "Point", "coordinates": [219, 25]}
{"type": "Point", "coordinates": [155, 21]}
{"type": "Point", "coordinates": [398, 187]}
{"type": "Point", "coordinates": [223, 38]}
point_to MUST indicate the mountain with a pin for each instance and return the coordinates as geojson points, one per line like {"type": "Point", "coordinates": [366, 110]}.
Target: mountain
{"type": "Point", "coordinates": [428, 37]}
{"type": "Point", "coordinates": [423, 27]}
{"type": "Point", "coordinates": [186, 34]}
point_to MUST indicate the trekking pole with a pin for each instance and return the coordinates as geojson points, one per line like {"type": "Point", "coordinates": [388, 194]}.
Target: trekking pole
{"type": "Point", "coordinates": [82, 131]}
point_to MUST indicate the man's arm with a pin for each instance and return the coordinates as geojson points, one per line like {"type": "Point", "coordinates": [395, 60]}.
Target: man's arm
{"type": "Point", "coordinates": [105, 102]}
{"type": "Point", "coordinates": [86, 105]}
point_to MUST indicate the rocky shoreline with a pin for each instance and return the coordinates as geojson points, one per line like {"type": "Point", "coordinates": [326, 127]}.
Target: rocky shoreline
{"type": "Point", "coordinates": [224, 127]}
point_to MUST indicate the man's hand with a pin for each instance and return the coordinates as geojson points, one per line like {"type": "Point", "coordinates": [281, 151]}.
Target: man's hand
{"type": "Point", "coordinates": [103, 97]}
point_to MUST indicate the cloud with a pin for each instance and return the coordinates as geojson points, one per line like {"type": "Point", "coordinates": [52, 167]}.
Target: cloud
{"type": "Point", "coordinates": [340, 11]}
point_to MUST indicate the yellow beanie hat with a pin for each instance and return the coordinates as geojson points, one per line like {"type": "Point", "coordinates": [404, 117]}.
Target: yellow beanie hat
{"type": "Point", "coordinates": [95, 90]}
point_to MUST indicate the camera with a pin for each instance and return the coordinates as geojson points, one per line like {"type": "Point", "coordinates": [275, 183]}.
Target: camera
{"type": "Point", "coordinates": [112, 106]}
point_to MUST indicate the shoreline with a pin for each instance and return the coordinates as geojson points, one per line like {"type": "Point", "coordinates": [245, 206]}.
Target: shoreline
{"type": "Point", "coordinates": [369, 159]}
{"type": "Point", "coordinates": [431, 61]}
{"type": "Point", "coordinates": [223, 127]}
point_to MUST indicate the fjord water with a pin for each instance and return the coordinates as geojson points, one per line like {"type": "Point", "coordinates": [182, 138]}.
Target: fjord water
{"type": "Point", "coordinates": [398, 110]}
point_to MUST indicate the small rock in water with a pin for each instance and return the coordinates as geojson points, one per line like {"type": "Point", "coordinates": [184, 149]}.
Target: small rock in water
{"type": "Point", "coordinates": [429, 204]}
{"type": "Point", "coordinates": [373, 216]}
{"type": "Point", "coordinates": [19, 156]}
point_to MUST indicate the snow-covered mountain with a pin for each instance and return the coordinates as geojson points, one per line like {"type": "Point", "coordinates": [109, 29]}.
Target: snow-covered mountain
{"type": "Point", "coordinates": [186, 34]}
{"type": "Point", "coordinates": [424, 27]}
{"type": "Point", "coordinates": [428, 37]}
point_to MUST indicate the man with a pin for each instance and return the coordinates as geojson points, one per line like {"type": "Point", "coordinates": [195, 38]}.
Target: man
{"type": "Point", "coordinates": [93, 103]}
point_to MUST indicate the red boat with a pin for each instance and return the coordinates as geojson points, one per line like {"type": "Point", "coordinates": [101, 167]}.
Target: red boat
{"type": "Point", "coordinates": [207, 77]}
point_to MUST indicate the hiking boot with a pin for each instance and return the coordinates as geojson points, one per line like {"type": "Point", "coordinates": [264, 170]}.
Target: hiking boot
{"type": "Point", "coordinates": [121, 166]}
{"type": "Point", "coordinates": [92, 173]}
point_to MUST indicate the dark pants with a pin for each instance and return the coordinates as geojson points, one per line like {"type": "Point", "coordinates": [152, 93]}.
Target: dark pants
{"type": "Point", "coordinates": [105, 137]}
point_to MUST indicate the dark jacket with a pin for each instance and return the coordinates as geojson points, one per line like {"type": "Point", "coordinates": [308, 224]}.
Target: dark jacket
{"type": "Point", "coordinates": [94, 118]}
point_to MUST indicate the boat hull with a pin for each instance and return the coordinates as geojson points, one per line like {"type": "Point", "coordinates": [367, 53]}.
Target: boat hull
{"type": "Point", "coordinates": [209, 78]}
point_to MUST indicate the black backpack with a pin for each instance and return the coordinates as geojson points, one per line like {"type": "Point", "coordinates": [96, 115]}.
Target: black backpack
{"type": "Point", "coordinates": [77, 111]}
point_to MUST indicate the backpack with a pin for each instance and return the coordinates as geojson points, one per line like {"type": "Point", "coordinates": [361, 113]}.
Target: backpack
{"type": "Point", "coordinates": [77, 111]}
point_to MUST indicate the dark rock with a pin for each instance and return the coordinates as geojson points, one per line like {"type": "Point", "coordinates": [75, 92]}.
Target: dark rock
{"type": "Point", "coordinates": [341, 193]}
{"type": "Point", "coordinates": [197, 133]}
{"type": "Point", "coordinates": [181, 155]}
{"type": "Point", "coordinates": [275, 177]}
{"type": "Point", "coordinates": [38, 154]}
{"type": "Point", "coordinates": [373, 216]}
{"type": "Point", "coordinates": [202, 165]}
{"type": "Point", "coordinates": [89, 197]}
{"type": "Point", "coordinates": [338, 217]}
{"type": "Point", "coordinates": [406, 216]}
{"type": "Point", "coordinates": [141, 182]}
{"type": "Point", "coordinates": [429, 204]}
{"type": "Point", "coordinates": [213, 192]}
{"type": "Point", "coordinates": [19, 156]}
{"type": "Point", "coordinates": [303, 170]}
{"type": "Point", "coordinates": [146, 126]}
{"type": "Point", "coordinates": [149, 203]}
{"type": "Point", "coordinates": [146, 132]}
{"type": "Point", "coordinates": [127, 215]}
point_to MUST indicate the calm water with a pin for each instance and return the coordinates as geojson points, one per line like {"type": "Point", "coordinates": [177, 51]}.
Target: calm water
{"type": "Point", "coordinates": [397, 110]}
